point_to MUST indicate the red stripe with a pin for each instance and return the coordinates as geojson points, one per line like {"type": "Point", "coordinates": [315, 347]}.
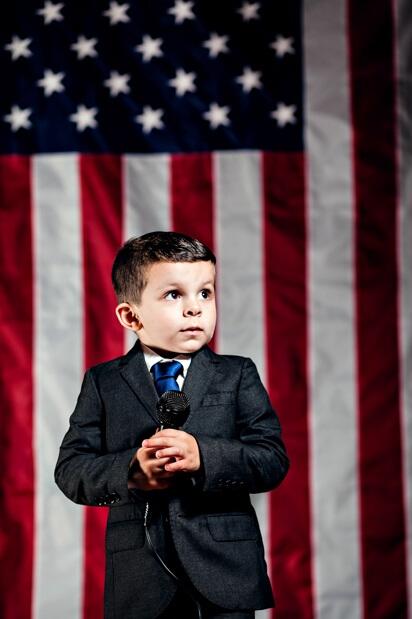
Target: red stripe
{"type": "Point", "coordinates": [380, 466]}
{"type": "Point", "coordinates": [192, 198]}
{"type": "Point", "coordinates": [287, 376]}
{"type": "Point", "coordinates": [16, 389]}
{"type": "Point", "coordinates": [101, 196]}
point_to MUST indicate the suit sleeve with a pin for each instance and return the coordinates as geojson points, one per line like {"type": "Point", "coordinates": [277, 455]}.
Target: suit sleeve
{"type": "Point", "coordinates": [85, 472]}
{"type": "Point", "coordinates": [256, 460]}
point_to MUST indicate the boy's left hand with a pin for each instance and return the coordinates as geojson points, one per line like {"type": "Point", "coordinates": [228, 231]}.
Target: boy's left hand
{"type": "Point", "coordinates": [176, 444]}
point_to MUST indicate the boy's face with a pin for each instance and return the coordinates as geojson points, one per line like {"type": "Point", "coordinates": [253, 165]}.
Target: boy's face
{"type": "Point", "coordinates": [177, 311]}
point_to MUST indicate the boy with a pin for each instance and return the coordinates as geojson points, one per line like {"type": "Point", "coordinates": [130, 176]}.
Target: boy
{"type": "Point", "coordinates": [182, 538]}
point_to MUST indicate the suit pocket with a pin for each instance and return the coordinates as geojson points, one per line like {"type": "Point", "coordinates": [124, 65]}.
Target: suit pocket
{"type": "Point", "coordinates": [217, 399]}
{"type": "Point", "coordinates": [232, 527]}
{"type": "Point", "coordinates": [124, 535]}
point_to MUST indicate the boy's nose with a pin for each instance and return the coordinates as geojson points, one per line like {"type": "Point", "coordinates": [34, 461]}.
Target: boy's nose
{"type": "Point", "coordinates": [192, 310]}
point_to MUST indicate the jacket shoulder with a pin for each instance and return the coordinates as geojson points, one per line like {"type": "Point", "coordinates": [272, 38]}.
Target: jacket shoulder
{"type": "Point", "coordinates": [111, 365]}
{"type": "Point", "coordinates": [232, 360]}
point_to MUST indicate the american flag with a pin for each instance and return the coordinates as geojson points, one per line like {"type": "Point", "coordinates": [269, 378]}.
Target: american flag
{"type": "Point", "coordinates": [279, 133]}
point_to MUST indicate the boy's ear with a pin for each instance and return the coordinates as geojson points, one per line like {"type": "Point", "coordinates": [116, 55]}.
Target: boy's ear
{"type": "Point", "coordinates": [127, 317]}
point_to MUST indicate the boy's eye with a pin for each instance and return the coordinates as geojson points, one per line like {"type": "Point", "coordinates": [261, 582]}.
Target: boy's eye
{"type": "Point", "coordinates": [206, 293]}
{"type": "Point", "coordinates": [172, 294]}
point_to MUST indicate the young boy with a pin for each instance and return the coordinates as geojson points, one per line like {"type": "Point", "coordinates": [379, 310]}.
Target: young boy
{"type": "Point", "coordinates": [182, 537]}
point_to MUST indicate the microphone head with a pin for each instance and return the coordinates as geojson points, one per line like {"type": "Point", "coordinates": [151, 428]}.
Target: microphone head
{"type": "Point", "coordinates": [173, 408]}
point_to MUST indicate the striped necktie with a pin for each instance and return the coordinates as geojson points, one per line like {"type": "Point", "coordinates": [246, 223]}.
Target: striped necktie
{"type": "Point", "coordinates": [165, 374]}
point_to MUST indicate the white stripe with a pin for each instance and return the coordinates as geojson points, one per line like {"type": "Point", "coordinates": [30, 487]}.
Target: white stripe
{"type": "Point", "coordinates": [404, 66]}
{"type": "Point", "coordinates": [58, 373]}
{"type": "Point", "coordinates": [239, 249]}
{"type": "Point", "coordinates": [147, 199]}
{"type": "Point", "coordinates": [333, 420]}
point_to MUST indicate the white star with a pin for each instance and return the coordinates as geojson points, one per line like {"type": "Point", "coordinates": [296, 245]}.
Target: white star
{"type": "Point", "coordinates": [84, 117]}
{"type": "Point", "coordinates": [19, 48]}
{"type": "Point", "coordinates": [51, 82]}
{"type": "Point", "coordinates": [249, 10]}
{"type": "Point", "coordinates": [182, 10]}
{"type": "Point", "coordinates": [117, 13]}
{"type": "Point", "coordinates": [18, 118]}
{"type": "Point", "coordinates": [217, 115]}
{"type": "Point", "coordinates": [249, 79]}
{"type": "Point", "coordinates": [84, 47]}
{"type": "Point", "coordinates": [284, 114]}
{"type": "Point", "coordinates": [216, 44]}
{"type": "Point", "coordinates": [282, 46]}
{"type": "Point", "coordinates": [51, 12]}
{"type": "Point", "coordinates": [183, 82]}
{"type": "Point", "coordinates": [150, 48]}
{"type": "Point", "coordinates": [150, 119]}
{"type": "Point", "coordinates": [118, 83]}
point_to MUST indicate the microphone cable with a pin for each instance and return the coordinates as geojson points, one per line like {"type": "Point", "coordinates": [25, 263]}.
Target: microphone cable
{"type": "Point", "coordinates": [163, 564]}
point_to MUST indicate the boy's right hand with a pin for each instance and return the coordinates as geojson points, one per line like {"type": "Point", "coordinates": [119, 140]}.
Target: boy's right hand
{"type": "Point", "coordinates": [147, 471]}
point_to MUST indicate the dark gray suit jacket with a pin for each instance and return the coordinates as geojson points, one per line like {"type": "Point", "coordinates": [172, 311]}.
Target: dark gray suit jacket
{"type": "Point", "coordinates": [212, 524]}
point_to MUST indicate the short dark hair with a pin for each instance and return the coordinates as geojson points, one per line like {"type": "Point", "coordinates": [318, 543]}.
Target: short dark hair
{"type": "Point", "coordinates": [138, 253]}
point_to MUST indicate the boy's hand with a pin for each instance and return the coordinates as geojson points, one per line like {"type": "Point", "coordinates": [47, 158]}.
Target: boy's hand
{"type": "Point", "coordinates": [150, 473]}
{"type": "Point", "coordinates": [178, 445]}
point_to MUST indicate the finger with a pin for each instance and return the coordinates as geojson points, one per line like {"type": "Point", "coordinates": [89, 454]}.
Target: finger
{"type": "Point", "coordinates": [147, 451]}
{"type": "Point", "coordinates": [170, 452]}
{"type": "Point", "coordinates": [163, 441]}
{"type": "Point", "coordinates": [161, 474]}
{"type": "Point", "coordinates": [182, 465]}
{"type": "Point", "coordinates": [157, 463]}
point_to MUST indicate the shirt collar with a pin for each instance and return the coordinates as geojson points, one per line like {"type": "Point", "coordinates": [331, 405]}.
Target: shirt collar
{"type": "Point", "coordinates": [151, 357]}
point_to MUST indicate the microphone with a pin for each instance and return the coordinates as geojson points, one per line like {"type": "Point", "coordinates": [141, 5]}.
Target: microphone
{"type": "Point", "coordinates": [173, 408]}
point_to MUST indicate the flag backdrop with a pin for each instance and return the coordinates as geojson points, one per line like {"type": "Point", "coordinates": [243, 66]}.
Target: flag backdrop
{"type": "Point", "coordinates": [279, 133]}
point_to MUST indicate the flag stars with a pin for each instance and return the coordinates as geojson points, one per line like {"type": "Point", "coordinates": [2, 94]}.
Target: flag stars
{"type": "Point", "coordinates": [217, 116]}
{"type": "Point", "coordinates": [85, 48]}
{"type": "Point", "coordinates": [249, 11]}
{"type": "Point", "coordinates": [284, 114]}
{"type": "Point", "coordinates": [216, 45]}
{"type": "Point", "coordinates": [18, 118]}
{"type": "Point", "coordinates": [84, 118]}
{"type": "Point", "coordinates": [250, 79]}
{"type": "Point", "coordinates": [282, 46]}
{"type": "Point", "coordinates": [150, 119]}
{"type": "Point", "coordinates": [51, 12]}
{"type": "Point", "coordinates": [149, 48]}
{"type": "Point", "coordinates": [182, 10]}
{"type": "Point", "coordinates": [117, 13]}
{"type": "Point", "coordinates": [51, 82]}
{"type": "Point", "coordinates": [19, 48]}
{"type": "Point", "coordinates": [118, 83]}
{"type": "Point", "coordinates": [183, 82]}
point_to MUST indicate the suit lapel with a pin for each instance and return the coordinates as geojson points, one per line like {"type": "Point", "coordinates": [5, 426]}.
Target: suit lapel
{"type": "Point", "coordinates": [200, 375]}
{"type": "Point", "coordinates": [136, 374]}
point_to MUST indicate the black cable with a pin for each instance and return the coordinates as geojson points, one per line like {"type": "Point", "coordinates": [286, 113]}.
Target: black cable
{"type": "Point", "coordinates": [163, 564]}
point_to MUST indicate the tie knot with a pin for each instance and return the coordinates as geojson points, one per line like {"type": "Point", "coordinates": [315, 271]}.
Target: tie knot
{"type": "Point", "coordinates": [165, 374]}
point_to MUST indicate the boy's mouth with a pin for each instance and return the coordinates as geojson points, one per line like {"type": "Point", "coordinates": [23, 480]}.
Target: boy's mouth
{"type": "Point", "coordinates": [191, 329]}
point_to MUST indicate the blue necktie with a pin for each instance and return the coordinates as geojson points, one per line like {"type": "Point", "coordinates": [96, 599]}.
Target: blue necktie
{"type": "Point", "coordinates": [165, 374]}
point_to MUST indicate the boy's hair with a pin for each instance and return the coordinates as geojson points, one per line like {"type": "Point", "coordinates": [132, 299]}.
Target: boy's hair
{"type": "Point", "coordinates": [138, 253]}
